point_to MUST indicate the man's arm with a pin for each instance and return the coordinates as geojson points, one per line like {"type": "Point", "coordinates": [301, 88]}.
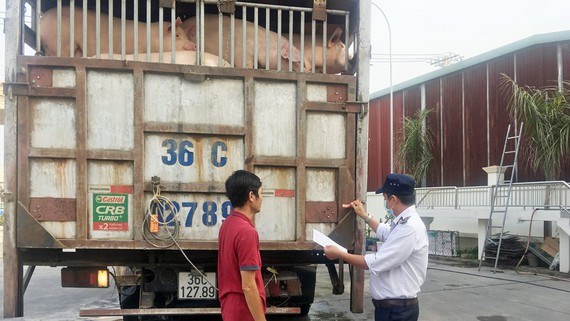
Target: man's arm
{"type": "Point", "coordinates": [332, 252]}
{"type": "Point", "coordinates": [251, 293]}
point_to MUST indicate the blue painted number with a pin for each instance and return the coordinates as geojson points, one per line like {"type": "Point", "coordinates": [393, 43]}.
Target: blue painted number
{"type": "Point", "coordinates": [183, 153]}
{"type": "Point", "coordinates": [217, 160]}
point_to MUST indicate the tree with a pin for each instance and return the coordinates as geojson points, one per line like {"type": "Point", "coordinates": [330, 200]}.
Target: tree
{"type": "Point", "coordinates": [546, 116]}
{"type": "Point", "coordinates": [415, 150]}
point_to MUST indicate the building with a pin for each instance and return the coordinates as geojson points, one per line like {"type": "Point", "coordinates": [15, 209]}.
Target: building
{"type": "Point", "coordinates": [470, 115]}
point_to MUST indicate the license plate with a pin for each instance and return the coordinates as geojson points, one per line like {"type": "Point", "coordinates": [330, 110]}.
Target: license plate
{"type": "Point", "coordinates": [194, 286]}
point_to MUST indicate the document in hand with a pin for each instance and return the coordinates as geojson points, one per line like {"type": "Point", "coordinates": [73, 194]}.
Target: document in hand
{"type": "Point", "coordinates": [324, 240]}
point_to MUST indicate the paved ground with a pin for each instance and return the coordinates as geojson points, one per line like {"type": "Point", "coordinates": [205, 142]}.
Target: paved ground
{"type": "Point", "coordinates": [450, 293]}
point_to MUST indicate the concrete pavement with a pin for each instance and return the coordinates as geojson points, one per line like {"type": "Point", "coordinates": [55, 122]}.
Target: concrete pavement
{"type": "Point", "coordinates": [450, 293]}
{"type": "Point", "coordinates": [457, 293]}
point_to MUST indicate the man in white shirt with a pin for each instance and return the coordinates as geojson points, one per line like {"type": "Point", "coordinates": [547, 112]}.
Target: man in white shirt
{"type": "Point", "coordinates": [398, 269]}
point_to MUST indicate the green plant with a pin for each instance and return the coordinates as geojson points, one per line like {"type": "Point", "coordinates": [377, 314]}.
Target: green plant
{"type": "Point", "coordinates": [415, 150]}
{"type": "Point", "coordinates": [546, 116]}
{"type": "Point", "coordinates": [470, 253]}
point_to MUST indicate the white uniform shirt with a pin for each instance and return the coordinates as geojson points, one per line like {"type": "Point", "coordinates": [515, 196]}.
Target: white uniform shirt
{"type": "Point", "coordinates": [399, 268]}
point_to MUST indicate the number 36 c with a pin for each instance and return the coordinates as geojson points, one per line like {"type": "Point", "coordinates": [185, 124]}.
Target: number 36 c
{"type": "Point", "coordinates": [183, 153]}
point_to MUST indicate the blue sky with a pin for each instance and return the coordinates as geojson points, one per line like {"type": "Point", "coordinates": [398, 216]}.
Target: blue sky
{"type": "Point", "coordinates": [467, 28]}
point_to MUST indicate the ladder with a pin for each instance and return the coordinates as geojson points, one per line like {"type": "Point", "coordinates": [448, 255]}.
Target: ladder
{"type": "Point", "coordinates": [502, 194]}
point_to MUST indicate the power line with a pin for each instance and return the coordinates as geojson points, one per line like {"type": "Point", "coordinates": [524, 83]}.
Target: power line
{"type": "Point", "coordinates": [439, 60]}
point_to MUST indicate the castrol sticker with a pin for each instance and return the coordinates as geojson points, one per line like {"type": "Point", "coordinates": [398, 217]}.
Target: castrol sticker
{"type": "Point", "coordinates": [110, 212]}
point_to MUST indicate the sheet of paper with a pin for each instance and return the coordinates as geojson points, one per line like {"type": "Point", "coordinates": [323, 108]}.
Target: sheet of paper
{"type": "Point", "coordinates": [324, 240]}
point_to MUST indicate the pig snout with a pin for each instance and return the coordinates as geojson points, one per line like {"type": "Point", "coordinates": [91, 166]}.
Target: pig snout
{"type": "Point", "coordinates": [190, 46]}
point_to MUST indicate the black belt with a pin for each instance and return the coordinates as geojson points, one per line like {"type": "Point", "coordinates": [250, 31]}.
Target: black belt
{"type": "Point", "coordinates": [388, 303]}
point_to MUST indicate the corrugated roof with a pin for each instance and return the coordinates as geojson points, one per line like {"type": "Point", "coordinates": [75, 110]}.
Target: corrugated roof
{"type": "Point", "coordinates": [515, 46]}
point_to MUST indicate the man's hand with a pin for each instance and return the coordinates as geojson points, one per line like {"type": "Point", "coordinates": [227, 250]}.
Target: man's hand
{"type": "Point", "coordinates": [332, 252]}
{"type": "Point", "coordinates": [358, 208]}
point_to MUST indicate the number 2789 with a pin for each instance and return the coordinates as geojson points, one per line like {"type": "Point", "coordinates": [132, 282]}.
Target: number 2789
{"type": "Point", "coordinates": [209, 211]}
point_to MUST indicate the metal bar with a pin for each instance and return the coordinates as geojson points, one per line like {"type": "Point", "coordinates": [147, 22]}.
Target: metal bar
{"type": "Point", "coordinates": [244, 36]}
{"type": "Point", "coordinates": [313, 42]}
{"type": "Point", "coordinates": [98, 28]}
{"type": "Point", "coordinates": [173, 311]}
{"type": "Point", "coordinates": [202, 33]}
{"type": "Point", "coordinates": [267, 27]}
{"type": "Point", "coordinates": [27, 277]}
{"type": "Point", "coordinates": [148, 21]}
{"type": "Point", "coordinates": [84, 14]}
{"type": "Point", "coordinates": [58, 50]}
{"type": "Point", "coordinates": [38, 25]}
{"type": "Point", "coordinates": [357, 275]}
{"type": "Point", "coordinates": [71, 28]}
{"type": "Point", "coordinates": [136, 30]}
{"type": "Point", "coordinates": [199, 44]}
{"type": "Point", "coordinates": [82, 222]}
{"type": "Point", "coordinates": [346, 39]}
{"type": "Point", "coordinates": [160, 33]}
{"type": "Point", "coordinates": [110, 23]}
{"type": "Point", "coordinates": [302, 41]}
{"type": "Point", "coordinates": [123, 29]}
{"type": "Point", "coordinates": [233, 40]}
{"type": "Point", "coordinates": [220, 37]}
{"type": "Point", "coordinates": [173, 32]}
{"type": "Point", "coordinates": [13, 297]}
{"type": "Point", "coordinates": [290, 40]}
{"type": "Point", "coordinates": [281, 7]}
{"type": "Point", "coordinates": [325, 45]}
{"type": "Point", "coordinates": [255, 37]}
{"type": "Point", "coordinates": [279, 27]}
{"type": "Point", "coordinates": [276, 7]}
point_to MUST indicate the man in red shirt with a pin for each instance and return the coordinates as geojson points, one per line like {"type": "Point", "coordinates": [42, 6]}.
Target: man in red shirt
{"type": "Point", "coordinates": [241, 288]}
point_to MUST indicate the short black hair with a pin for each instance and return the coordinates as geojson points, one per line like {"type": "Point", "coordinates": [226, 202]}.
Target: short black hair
{"type": "Point", "coordinates": [238, 186]}
{"type": "Point", "coordinates": [405, 199]}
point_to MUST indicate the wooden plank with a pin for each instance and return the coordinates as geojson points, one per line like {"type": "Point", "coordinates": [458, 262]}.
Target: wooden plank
{"type": "Point", "coordinates": [82, 226]}
{"type": "Point", "coordinates": [249, 141]}
{"type": "Point", "coordinates": [332, 107]}
{"type": "Point", "coordinates": [301, 113]}
{"type": "Point", "coordinates": [108, 64]}
{"type": "Point", "coordinates": [138, 163]}
{"type": "Point", "coordinates": [194, 129]}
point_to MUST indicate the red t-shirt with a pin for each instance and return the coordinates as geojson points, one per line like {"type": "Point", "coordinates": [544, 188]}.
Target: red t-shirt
{"type": "Point", "coordinates": [238, 250]}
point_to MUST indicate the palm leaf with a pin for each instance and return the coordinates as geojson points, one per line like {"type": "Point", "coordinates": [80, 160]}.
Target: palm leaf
{"type": "Point", "coordinates": [415, 150]}
{"type": "Point", "coordinates": [546, 116]}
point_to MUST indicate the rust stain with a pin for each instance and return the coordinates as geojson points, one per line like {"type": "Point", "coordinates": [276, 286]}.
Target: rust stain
{"type": "Point", "coordinates": [60, 167]}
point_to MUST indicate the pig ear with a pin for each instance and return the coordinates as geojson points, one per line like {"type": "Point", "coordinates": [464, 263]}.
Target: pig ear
{"type": "Point", "coordinates": [295, 53]}
{"type": "Point", "coordinates": [335, 37]}
{"type": "Point", "coordinates": [178, 22]}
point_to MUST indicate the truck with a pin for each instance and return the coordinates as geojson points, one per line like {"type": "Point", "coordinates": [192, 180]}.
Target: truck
{"type": "Point", "coordinates": [115, 166]}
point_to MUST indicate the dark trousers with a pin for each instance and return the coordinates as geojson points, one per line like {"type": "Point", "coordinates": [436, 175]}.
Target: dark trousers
{"type": "Point", "coordinates": [397, 313]}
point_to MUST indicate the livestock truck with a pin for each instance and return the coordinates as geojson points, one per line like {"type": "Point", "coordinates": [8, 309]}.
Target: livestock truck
{"type": "Point", "coordinates": [115, 163]}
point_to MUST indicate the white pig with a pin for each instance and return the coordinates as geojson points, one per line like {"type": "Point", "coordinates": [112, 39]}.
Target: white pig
{"type": "Point", "coordinates": [336, 52]}
{"type": "Point", "coordinates": [182, 58]}
{"type": "Point", "coordinates": [49, 34]}
{"type": "Point", "coordinates": [211, 43]}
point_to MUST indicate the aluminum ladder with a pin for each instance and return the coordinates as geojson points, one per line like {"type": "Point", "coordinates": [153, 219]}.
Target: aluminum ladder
{"type": "Point", "coordinates": [502, 193]}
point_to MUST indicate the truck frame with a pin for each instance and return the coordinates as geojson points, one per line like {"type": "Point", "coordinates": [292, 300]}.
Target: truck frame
{"type": "Point", "coordinates": [91, 144]}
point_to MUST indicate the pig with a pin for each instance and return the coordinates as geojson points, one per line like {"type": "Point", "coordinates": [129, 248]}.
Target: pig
{"type": "Point", "coordinates": [49, 34]}
{"type": "Point", "coordinates": [182, 58]}
{"type": "Point", "coordinates": [336, 52]}
{"type": "Point", "coordinates": [211, 43]}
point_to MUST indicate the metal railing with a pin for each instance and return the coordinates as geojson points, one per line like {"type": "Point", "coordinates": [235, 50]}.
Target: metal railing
{"type": "Point", "coordinates": [137, 32]}
{"type": "Point", "coordinates": [549, 194]}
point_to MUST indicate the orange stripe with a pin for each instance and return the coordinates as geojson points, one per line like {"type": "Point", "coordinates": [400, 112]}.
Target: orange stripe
{"type": "Point", "coordinates": [284, 193]}
{"type": "Point", "coordinates": [121, 189]}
